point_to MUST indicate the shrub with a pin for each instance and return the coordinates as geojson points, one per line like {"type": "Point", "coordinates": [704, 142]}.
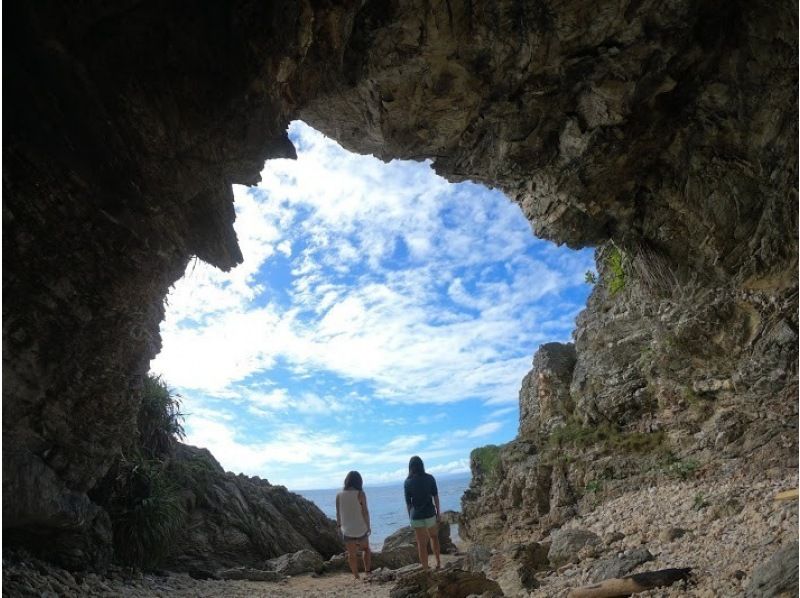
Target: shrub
{"type": "Point", "coordinates": [146, 512]}
{"type": "Point", "coordinates": [699, 502]}
{"type": "Point", "coordinates": [486, 460]}
{"type": "Point", "coordinates": [616, 262]}
{"type": "Point", "coordinates": [607, 435]}
{"type": "Point", "coordinates": [160, 420]}
{"type": "Point", "coordinates": [682, 469]}
{"type": "Point", "coordinates": [594, 486]}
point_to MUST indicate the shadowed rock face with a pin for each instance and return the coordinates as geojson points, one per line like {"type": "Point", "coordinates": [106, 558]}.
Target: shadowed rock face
{"type": "Point", "coordinates": [669, 129]}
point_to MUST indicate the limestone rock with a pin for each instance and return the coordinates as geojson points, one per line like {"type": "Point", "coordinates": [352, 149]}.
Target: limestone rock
{"type": "Point", "coordinates": [514, 568]}
{"type": "Point", "coordinates": [544, 399]}
{"type": "Point", "coordinates": [567, 545]}
{"type": "Point", "coordinates": [397, 556]}
{"type": "Point", "coordinates": [477, 558]}
{"type": "Point", "coordinates": [667, 139]}
{"type": "Point", "coordinates": [302, 561]}
{"type": "Point", "coordinates": [776, 577]}
{"type": "Point", "coordinates": [235, 520]}
{"type": "Point", "coordinates": [448, 583]}
{"type": "Point", "coordinates": [405, 535]}
{"type": "Point", "coordinates": [620, 566]}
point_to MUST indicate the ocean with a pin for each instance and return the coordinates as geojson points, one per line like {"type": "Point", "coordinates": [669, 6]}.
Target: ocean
{"type": "Point", "coordinates": [387, 508]}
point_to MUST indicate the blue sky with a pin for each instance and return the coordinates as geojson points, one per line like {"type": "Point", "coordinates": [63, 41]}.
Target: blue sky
{"type": "Point", "coordinates": [380, 312]}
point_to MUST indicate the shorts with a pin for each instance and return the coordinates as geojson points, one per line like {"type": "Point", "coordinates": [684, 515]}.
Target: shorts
{"type": "Point", "coordinates": [350, 539]}
{"type": "Point", "coordinates": [429, 522]}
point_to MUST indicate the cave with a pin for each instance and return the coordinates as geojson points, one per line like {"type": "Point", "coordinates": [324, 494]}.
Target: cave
{"type": "Point", "coordinates": [661, 133]}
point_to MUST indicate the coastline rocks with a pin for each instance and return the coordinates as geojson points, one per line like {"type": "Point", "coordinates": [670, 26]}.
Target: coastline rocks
{"type": "Point", "coordinates": [618, 566]}
{"type": "Point", "coordinates": [405, 535]}
{"type": "Point", "coordinates": [570, 545]}
{"type": "Point", "coordinates": [448, 583]}
{"type": "Point", "coordinates": [396, 557]}
{"type": "Point", "coordinates": [235, 520]}
{"type": "Point", "coordinates": [515, 568]}
{"type": "Point", "coordinates": [544, 399]}
{"type": "Point", "coordinates": [302, 561]}
{"type": "Point", "coordinates": [668, 138]}
{"type": "Point", "coordinates": [776, 577]}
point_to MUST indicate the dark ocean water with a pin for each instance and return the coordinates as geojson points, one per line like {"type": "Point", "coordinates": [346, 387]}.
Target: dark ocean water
{"type": "Point", "coordinates": [387, 508]}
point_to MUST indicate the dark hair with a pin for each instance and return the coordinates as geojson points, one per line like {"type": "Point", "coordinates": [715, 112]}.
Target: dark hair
{"type": "Point", "coordinates": [353, 481]}
{"type": "Point", "coordinates": [415, 466]}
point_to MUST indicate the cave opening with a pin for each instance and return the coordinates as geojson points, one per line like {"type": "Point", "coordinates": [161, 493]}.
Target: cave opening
{"type": "Point", "coordinates": [380, 311]}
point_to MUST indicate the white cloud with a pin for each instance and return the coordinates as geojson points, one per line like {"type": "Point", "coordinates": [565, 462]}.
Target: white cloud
{"type": "Point", "coordinates": [502, 411]}
{"type": "Point", "coordinates": [405, 443]}
{"type": "Point", "coordinates": [485, 429]}
{"type": "Point", "coordinates": [452, 467]}
{"type": "Point", "coordinates": [375, 274]}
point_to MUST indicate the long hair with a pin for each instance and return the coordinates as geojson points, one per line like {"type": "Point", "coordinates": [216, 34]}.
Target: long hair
{"type": "Point", "coordinates": [353, 481]}
{"type": "Point", "coordinates": [415, 467]}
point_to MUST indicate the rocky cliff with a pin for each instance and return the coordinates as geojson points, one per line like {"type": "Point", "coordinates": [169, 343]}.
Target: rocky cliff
{"type": "Point", "coordinates": [663, 133]}
{"type": "Point", "coordinates": [240, 521]}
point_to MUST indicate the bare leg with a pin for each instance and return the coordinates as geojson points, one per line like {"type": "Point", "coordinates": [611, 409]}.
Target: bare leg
{"type": "Point", "coordinates": [433, 532]}
{"type": "Point", "coordinates": [352, 558]}
{"type": "Point", "coordinates": [367, 556]}
{"type": "Point", "coordinates": [421, 534]}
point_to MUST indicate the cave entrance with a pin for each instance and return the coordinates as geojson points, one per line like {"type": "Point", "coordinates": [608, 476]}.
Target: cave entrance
{"type": "Point", "coordinates": [380, 312]}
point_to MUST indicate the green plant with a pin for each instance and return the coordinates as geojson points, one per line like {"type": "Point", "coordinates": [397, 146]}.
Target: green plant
{"type": "Point", "coordinates": [146, 512]}
{"type": "Point", "coordinates": [594, 486]}
{"type": "Point", "coordinates": [195, 473]}
{"type": "Point", "coordinates": [486, 460]}
{"type": "Point", "coordinates": [699, 502]}
{"type": "Point", "coordinates": [160, 420]}
{"type": "Point", "coordinates": [590, 277]}
{"type": "Point", "coordinates": [606, 435]}
{"type": "Point", "coordinates": [682, 469]}
{"type": "Point", "coordinates": [617, 264]}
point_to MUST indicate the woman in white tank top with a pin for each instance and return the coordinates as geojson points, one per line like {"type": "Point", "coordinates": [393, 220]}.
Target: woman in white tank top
{"type": "Point", "coordinates": [352, 519]}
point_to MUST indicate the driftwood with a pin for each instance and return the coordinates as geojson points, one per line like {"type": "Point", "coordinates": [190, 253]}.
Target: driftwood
{"type": "Point", "coordinates": [631, 584]}
{"type": "Point", "coordinates": [787, 495]}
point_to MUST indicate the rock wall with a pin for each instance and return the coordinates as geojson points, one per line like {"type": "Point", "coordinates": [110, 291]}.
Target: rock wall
{"type": "Point", "coordinates": [236, 520]}
{"type": "Point", "coordinates": [664, 132]}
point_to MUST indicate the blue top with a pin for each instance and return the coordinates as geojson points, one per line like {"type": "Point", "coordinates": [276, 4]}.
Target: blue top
{"type": "Point", "coordinates": [420, 491]}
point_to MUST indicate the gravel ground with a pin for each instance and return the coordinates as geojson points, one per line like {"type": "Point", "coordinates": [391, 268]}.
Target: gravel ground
{"type": "Point", "coordinates": [729, 529]}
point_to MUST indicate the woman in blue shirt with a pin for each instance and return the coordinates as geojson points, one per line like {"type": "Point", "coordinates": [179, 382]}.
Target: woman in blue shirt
{"type": "Point", "coordinates": [422, 502]}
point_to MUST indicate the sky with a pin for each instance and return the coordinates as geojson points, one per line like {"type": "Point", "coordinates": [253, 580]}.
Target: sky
{"type": "Point", "coordinates": [380, 312]}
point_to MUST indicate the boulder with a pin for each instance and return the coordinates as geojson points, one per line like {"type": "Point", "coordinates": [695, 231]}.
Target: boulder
{"type": "Point", "coordinates": [302, 561]}
{"type": "Point", "coordinates": [396, 556]}
{"type": "Point", "coordinates": [514, 569]}
{"type": "Point", "coordinates": [567, 545]}
{"type": "Point", "coordinates": [405, 535]}
{"type": "Point", "coordinates": [452, 583]}
{"type": "Point", "coordinates": [618, 566]}
{"type": "Point", "coordinates": [778, 576]}
{"type": "Point", "coordinates": [477, 558]}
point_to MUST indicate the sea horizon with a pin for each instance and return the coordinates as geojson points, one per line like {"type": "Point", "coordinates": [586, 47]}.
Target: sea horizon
{"type": "Point", "coordinates": [387, 504]}
{"type": "Point", "coordinates": [448, 476]}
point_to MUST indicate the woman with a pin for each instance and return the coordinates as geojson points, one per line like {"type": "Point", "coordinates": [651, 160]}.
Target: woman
{"type": "Point", "coordinates": [422, 502]}
{"type": "Point", "coordinates": [352, 519]}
